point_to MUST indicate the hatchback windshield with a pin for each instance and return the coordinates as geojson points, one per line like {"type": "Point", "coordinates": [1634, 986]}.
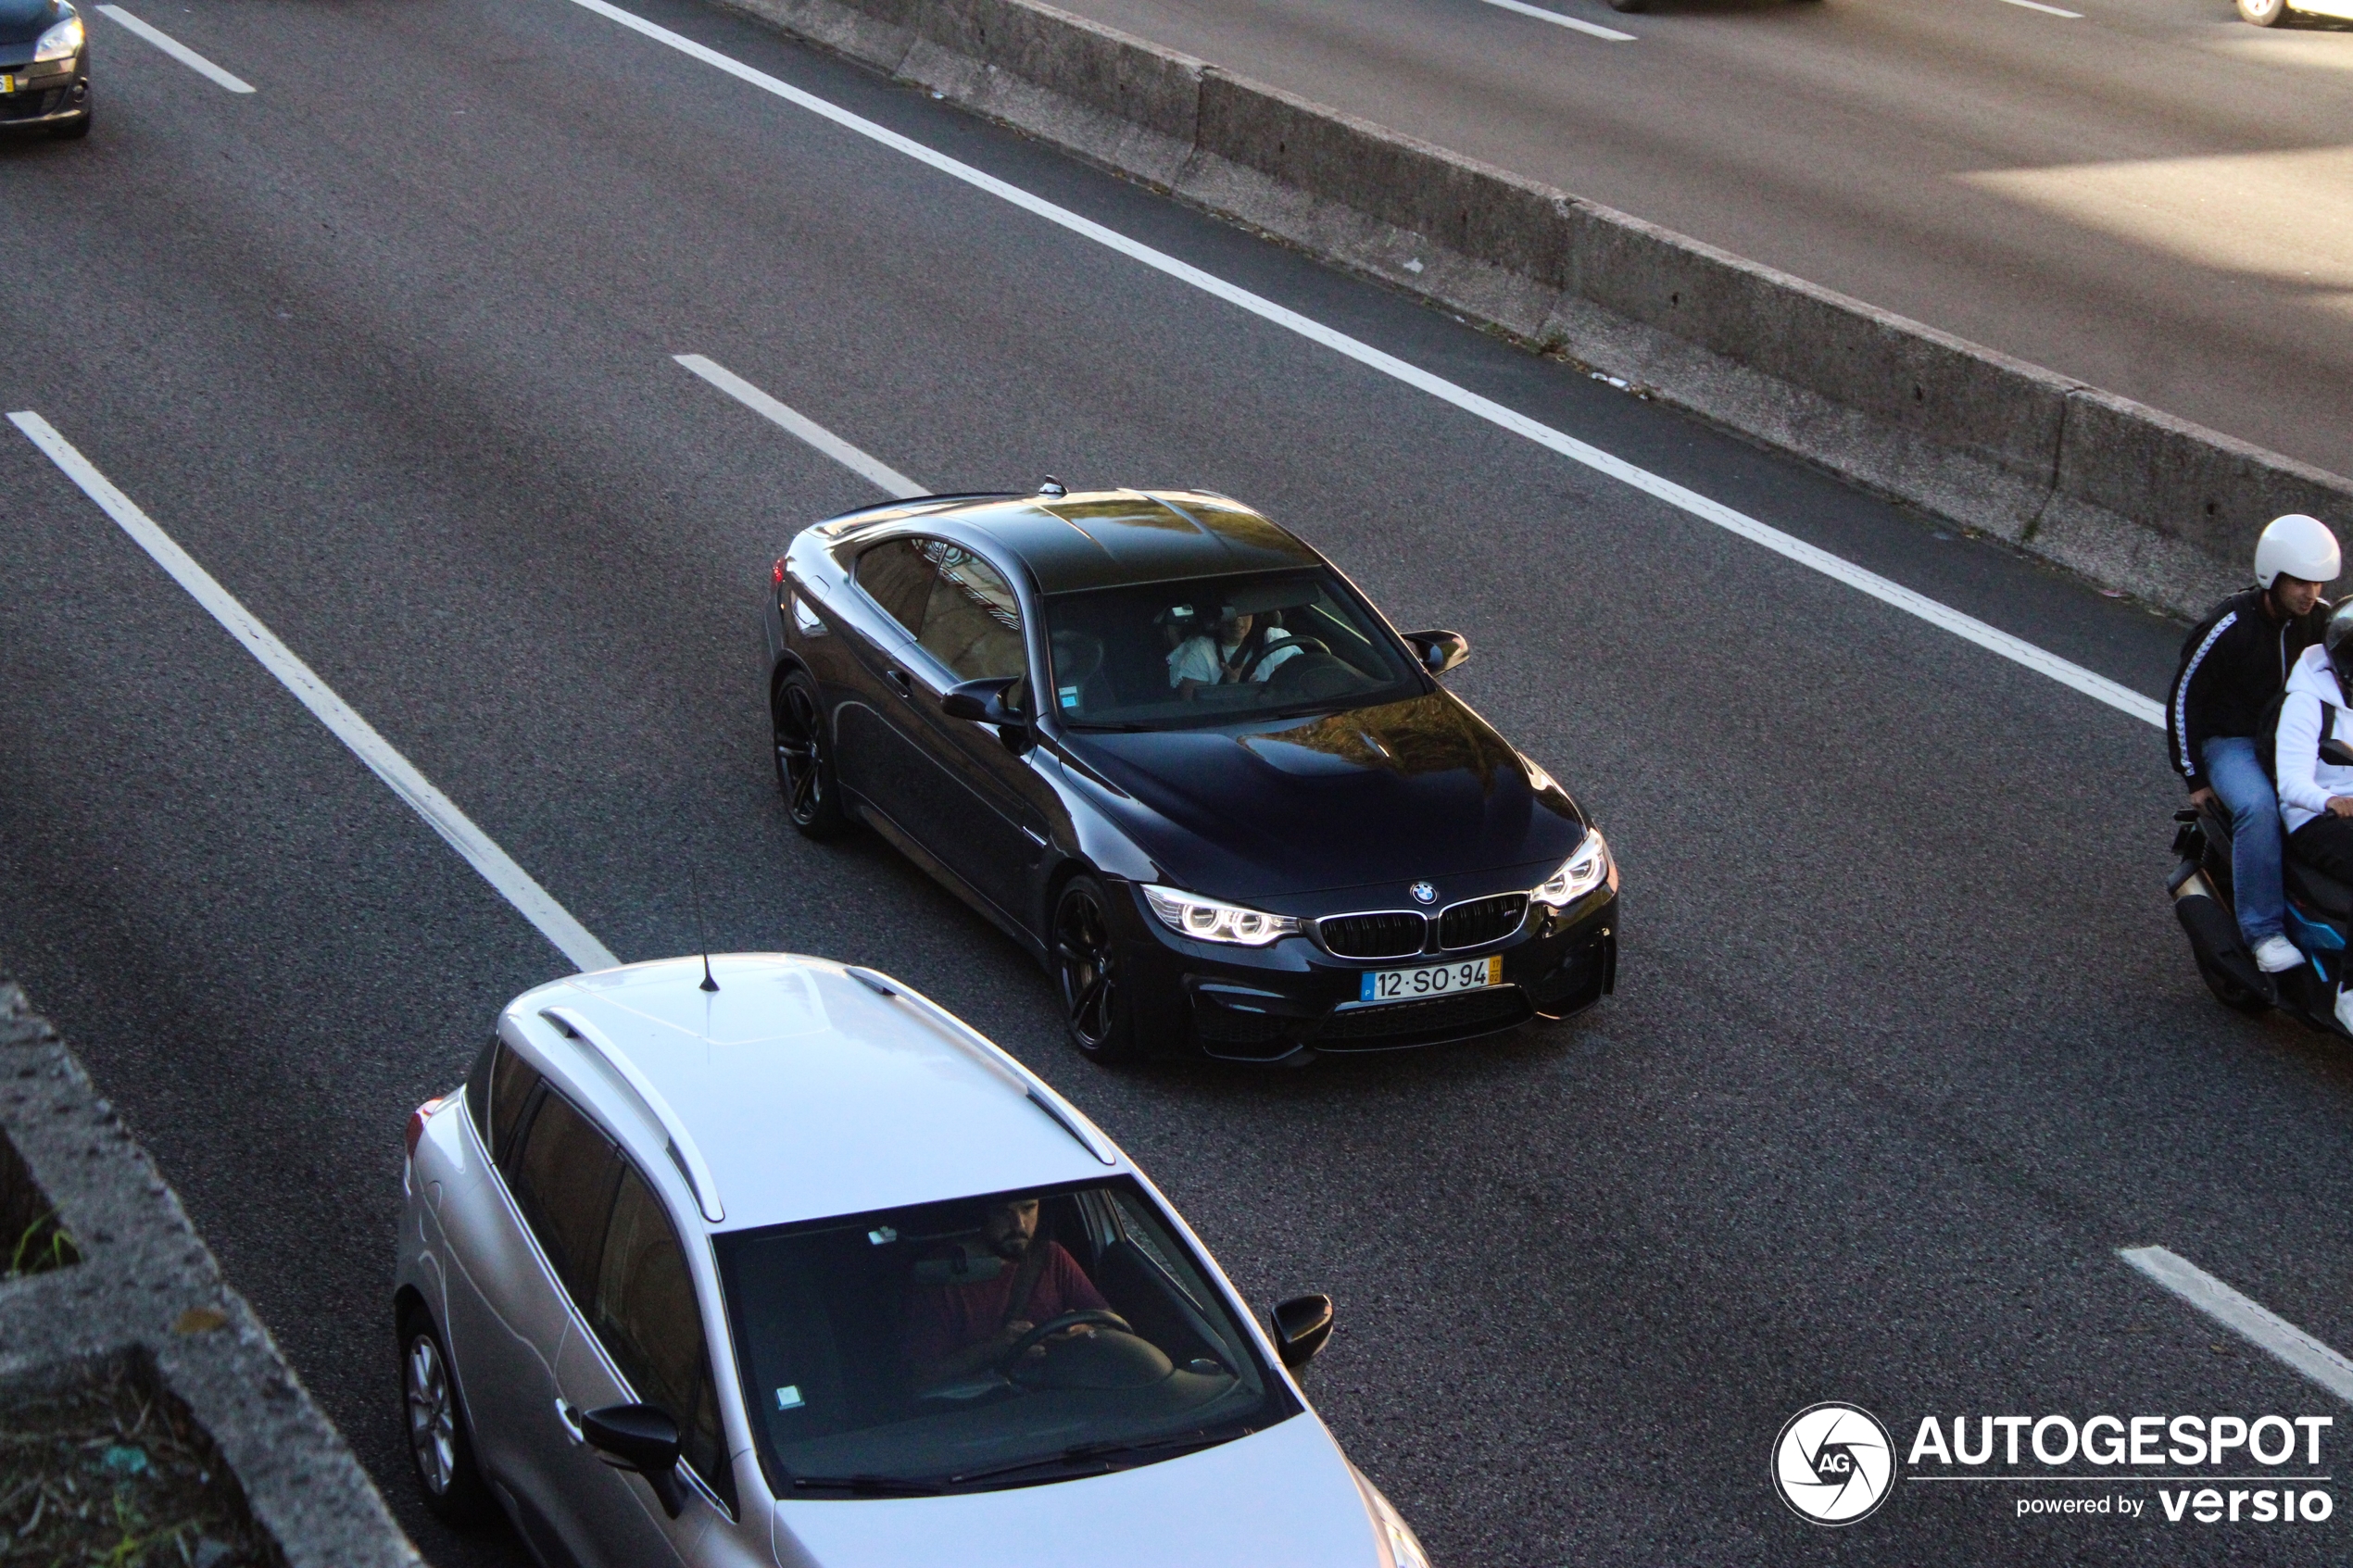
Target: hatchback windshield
{"type": "Point", "coordinates": [1216, 649]}
{"type": "Point", "coordinates": [998, 1341]}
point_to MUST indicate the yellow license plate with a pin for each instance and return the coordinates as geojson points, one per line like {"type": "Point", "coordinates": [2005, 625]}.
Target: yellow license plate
{"type": "Point", "coordinates": [7, 84]}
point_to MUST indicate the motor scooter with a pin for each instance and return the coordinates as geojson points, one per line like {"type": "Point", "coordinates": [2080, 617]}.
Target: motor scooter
{"type": "Point", "coordinates": [2320, 920]}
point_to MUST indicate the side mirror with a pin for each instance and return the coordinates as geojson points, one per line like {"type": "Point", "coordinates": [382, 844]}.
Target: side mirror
{"type": "Point", "coordinates": [639, 1438]}
{"type": "Point", "coordinates": [1301, 1326]}
{"type": "Point", "coordinates": [982, 702]}
{"type": "Point", "coordinates": [1441, 651]}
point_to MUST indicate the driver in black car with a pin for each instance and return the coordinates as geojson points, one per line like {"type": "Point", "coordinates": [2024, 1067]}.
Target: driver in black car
{"type": "Point", "coordinates": [1240, 647]}
{"type": "Point", "coordinates": [957, 1329]}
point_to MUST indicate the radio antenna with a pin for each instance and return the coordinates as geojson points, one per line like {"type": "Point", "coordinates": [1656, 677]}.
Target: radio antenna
{"type": "Point", "coordinates": [694, 886]}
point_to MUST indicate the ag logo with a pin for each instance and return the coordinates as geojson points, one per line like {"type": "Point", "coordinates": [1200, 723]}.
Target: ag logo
{"type": "Point", "coordinates": [1834, 1464]}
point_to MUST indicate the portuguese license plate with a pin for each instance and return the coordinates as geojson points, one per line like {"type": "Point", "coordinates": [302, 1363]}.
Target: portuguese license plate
{"type": "Point", "coordinates": [1436, 979]}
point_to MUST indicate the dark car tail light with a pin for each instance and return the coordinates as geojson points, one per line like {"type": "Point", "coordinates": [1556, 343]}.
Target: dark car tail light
{"type": "Point", "coordinates": [416, 1120]}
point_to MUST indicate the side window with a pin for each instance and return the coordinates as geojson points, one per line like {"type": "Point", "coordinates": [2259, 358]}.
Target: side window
{"type": "Point", "coordinates": [898, 575]}
{"type": "Point", "coordinates": [478, 1090]}
{"type": "Point", "coordinates": [562, 1177]}
{"type": "Point", "coordinates": [511, 1081]}
{"type": "Point", "coordinates": [971, 622]}
{"type": "Point", "coordinates": [647, 1317]}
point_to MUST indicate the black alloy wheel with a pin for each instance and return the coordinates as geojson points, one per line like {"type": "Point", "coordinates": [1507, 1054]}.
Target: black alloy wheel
{"type": "Point", "coordinates": [1097, 1012]}
{"type": "Point", "coordinates": [804, 763]}
{"type": "Point", "coordinates": [440, 1448]}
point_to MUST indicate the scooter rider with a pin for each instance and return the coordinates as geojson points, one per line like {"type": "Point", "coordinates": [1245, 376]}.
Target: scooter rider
{"type": "Point", "coordinates": [2235, 665]}
{"type": "Point", "coordinates": [2316, 790]}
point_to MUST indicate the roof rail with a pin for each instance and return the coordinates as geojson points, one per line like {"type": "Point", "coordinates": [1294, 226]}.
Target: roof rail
{"type": "Point", "coordinates": [679, 1146]}
{"type": "Point", "coordinates": [1063, 1113]}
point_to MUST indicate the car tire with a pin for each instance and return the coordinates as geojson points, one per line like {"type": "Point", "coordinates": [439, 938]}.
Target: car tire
{"type": "Point", "coordinates": [2263, 13]}
{"type": "Point", "coordinates": [805, 774]}
{"type": "Point", "coordinates": [441, 1447]}
{"type": "Point", "coordinates": [73, 130]}
{"type": "Point", "coordinates": [1098, 1014]}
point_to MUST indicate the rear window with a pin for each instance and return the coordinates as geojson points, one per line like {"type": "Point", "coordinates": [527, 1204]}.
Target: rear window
{"type": "Point", "coordinates": [563, 1178]}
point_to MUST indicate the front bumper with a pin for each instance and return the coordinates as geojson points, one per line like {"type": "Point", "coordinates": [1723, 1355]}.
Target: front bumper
{"type": "Point", "coordinates": [56, 92]}
{"type": "Point", "coordinates": [1292, 1001]}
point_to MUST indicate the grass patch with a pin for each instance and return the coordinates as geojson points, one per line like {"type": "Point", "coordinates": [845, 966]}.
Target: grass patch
{"type": "Point", "coordinates": [32, 1241]}
{"type": "Point", "coordinates": [100, 1467]}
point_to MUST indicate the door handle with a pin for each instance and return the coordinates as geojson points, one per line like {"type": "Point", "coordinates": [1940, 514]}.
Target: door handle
{"type": "Point", "coordinates": [570, 1419]}
{"type": "Point", "coordinates": [900, 681]}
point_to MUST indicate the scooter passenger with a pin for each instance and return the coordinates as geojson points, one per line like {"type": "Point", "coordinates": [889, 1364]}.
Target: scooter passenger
{"type": "Point", "coordinates": [2316, 789]}
{"type": "Point", "coordinates": [2235, 665]}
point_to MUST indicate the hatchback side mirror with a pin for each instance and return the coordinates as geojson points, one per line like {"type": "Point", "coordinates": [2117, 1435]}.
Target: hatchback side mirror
{"type": "Point", "coordinates": [639, 1438]}
{"type": "Point", "coordinates": [1301, 1326]}
{"type": "Point", "coordinates": [1441, 651]}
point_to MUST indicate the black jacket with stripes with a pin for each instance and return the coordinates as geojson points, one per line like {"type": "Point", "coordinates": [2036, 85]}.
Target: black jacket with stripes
{"type": "Point", "coordinates": [2234, 664]}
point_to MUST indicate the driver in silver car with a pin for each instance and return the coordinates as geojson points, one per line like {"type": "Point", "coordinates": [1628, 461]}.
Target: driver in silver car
{"type": "Point", "coordinates": [966, 1326]}
{"type": "Point", "coordinates": [1239, 647]}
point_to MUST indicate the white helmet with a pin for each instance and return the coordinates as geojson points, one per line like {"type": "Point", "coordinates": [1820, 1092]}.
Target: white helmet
{"type": "Point", "coordinates": [2300, 546]}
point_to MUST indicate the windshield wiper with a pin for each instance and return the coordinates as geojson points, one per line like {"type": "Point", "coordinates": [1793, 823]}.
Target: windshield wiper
{"type": "Point", "coordinates": [1107, 1449]}
{"type": "Point", "coordinates": [868, 1486]}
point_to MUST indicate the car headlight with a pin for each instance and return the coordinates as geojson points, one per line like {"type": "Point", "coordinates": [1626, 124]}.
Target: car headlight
{"type": "Point", "coordinates": [1579, 875]}
{"type": "Point", "coordinates": [1401, 1549]}
{"type": "Point", "coordinates": [1207, 920]}
{"type": "Point", "coordinates": [62, 41]}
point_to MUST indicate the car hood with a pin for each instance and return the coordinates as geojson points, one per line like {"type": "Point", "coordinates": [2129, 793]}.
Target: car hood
{"type": "Point", "coordinates": [1284, 1495]}
{"type": "Point", "coordinates": [1423, 789]}
{"type": "Point", "coordinates": [21, 21]}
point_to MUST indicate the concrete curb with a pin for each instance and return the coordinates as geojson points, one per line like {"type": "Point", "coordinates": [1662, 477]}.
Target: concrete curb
{"type": "Point", "coordinates": [148, 1286]}
{"type": "Point", "coordinates": [2129, 496]}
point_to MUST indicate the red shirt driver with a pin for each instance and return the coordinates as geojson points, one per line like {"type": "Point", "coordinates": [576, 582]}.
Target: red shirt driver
{"type": "Point", "coordinates": [956, 1329]}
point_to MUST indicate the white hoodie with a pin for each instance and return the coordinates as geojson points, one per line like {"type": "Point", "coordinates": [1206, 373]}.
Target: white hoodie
{"type": "Point", "coordinates": [2306, 781]}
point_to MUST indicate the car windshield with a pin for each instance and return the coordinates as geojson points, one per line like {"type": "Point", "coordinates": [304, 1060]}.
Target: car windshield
{"type": "Point", "coordinates": [992, 1342]}
{"type": "Point", "coordinates": [1217, 649]}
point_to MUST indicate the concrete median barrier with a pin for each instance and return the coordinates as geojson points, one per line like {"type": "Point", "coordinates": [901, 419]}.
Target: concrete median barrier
{"type": "Point", "coordinates": [2125, 495]}
{"type": "Point", "coordinates": [131, 1369]}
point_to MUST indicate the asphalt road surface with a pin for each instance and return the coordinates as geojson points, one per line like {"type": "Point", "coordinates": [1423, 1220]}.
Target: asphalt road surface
{"type": "Point", "coordinates": [2148, 194]}
{"type": "Point", "coordinates": [1906, 1046]}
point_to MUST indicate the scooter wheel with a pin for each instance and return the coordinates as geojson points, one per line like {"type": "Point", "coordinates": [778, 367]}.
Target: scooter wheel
{"type": "Point", "coordinates": [2232, 993]}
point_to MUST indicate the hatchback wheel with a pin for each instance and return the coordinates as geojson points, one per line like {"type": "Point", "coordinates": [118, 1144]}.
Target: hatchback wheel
{"type": "Point", "coordinates": [804, 762]}
{"type": "Point", "coordinates": [1098, 1012]}
{"type": "Point", "coordinates": [439, 1444]}
{"type": "Point", "coordinates": [2264, 12]}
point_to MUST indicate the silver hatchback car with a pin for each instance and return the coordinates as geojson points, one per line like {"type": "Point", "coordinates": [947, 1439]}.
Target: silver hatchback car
{"type": "Point", "coordinates": [776, 1262]}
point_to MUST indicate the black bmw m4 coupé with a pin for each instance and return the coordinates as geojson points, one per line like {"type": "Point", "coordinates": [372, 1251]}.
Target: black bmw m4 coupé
{"type": "Point", "coordinates": [1175, 754]}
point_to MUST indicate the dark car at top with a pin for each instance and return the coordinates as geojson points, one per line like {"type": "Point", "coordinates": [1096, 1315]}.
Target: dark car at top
{"type": "Point", "coordinates": [45, 68]}
{"type": "Point", "coordinates": [1315, 847]}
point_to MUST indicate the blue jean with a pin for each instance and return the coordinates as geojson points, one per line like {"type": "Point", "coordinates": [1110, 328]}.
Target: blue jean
{"type": "Point", "coordinates": [2235, 774]}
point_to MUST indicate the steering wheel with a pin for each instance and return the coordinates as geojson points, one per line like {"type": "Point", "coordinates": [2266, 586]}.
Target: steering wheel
{"type": "Point", "coordinates": [1052, 1327]}
{"type": "Point", "coordinates": [1305, 644]}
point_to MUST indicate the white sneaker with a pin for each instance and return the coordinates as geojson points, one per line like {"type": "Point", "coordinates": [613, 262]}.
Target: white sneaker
{"type": "Point", "coordinates": [2275, 954]}
{"type": "Point", "coordinates": [2345, 1008]}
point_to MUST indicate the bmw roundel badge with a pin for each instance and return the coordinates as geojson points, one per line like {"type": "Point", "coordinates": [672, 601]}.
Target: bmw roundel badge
{"type": "Point", "coordinates": [1423, 893]}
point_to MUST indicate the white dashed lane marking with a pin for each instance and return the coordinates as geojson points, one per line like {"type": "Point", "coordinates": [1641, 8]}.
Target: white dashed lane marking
{"type": "Point", "coordinates": [888, 479]}
{"type": "Point", "coordinates": [173, 47]}
{"type": "Point", "coordinates": [2249, 1320]}
{"type": "Point", "coordinates": [511, 882]}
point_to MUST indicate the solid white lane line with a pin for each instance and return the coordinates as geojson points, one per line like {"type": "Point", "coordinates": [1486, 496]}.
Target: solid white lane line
{"type": "Point", "coordinates": [880, 474]}
{"type": "Point", "coordinates": [2251, 1321]}
{"type": "Point", "coordinates": [1542, 15]}
{"type": "Point", "coordinates": [440, 813]}
{"type": "Point", "coordinates": [176, 49]}
{"type": "Point", "coordinates": [2042, 662]}
{"type": "Point", "coordinates": [2046, 10]}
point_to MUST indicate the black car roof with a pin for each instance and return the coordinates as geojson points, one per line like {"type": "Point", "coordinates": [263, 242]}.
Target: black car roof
{"type": "Point", "coordinates": [1110, 538]}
